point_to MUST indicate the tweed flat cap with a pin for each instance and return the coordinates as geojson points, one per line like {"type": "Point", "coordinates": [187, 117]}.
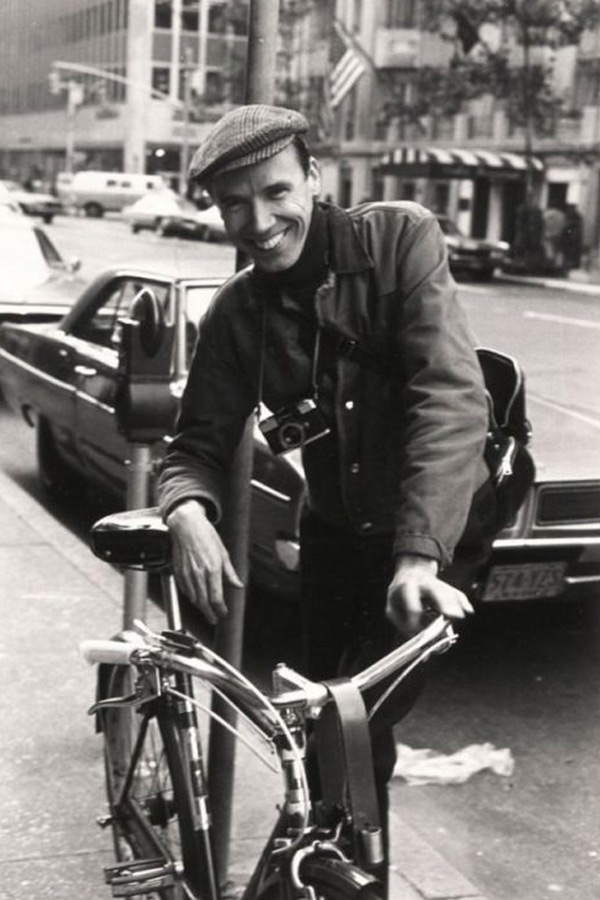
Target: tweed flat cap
{"type": "Point", "coordinates": [244, 136]}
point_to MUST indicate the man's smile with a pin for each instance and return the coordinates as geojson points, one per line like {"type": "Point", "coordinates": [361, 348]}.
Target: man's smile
{"type": "Point", "coordinates": [270, 243]}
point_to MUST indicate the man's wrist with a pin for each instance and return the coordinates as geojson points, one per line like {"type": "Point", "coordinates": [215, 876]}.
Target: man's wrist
{"type": "Point", "coordinates": [406, 561]}
{"type": "Point", "coordinates": [185, 508]}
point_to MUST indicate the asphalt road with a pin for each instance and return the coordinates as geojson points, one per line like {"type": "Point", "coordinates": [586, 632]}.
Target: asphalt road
{"type": "Point", "coordinates": [522, 677]}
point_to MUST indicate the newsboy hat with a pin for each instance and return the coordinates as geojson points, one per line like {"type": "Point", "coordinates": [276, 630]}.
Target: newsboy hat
{"type": "Point", "coordinates": [246, 135]}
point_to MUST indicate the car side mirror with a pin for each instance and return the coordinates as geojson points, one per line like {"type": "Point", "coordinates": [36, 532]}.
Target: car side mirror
{"type": "Point", "coordinates": [74, 264]}
{"type": "Point", "coordinates": [146, 310]}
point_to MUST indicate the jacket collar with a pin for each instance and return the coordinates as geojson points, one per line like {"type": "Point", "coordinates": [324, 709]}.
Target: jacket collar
{"type": "Point", "coordinates": [347, 253]}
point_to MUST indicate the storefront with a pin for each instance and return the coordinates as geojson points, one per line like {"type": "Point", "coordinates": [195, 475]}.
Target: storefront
{"type": "Point", "coordinates": [479, 189]}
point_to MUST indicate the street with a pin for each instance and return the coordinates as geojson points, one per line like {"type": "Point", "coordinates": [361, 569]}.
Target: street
{"type": "Point", "coordinates": [522, 677]}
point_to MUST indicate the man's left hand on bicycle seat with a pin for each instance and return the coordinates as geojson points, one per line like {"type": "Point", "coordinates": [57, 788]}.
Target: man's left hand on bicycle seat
{"type": "Point", "coordinates": [200, 561]}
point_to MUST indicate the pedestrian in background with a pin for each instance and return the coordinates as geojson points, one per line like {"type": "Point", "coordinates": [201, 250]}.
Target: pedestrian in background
{"type": "Point", "coordinates": [554, 224]}
{"type": "Point", "coordinates": [571, 239]}
{"type": "Point", "coordinates": [348, 325]}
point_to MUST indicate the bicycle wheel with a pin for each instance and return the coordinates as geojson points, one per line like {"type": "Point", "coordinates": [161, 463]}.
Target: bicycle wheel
{"type": "Point", "coordinates": [331, 879]}
{"type": "Point", "coordinates": [152, 814]}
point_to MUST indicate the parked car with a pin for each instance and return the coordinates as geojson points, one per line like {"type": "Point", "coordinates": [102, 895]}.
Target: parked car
{"type": "Point", "coordinates": [33, 203]}
{"type": "Point", "coordinates": [36, 283]}
{"type": "Point", "coordinates": [96, 193]}
{"type": "Point", "coordinates": [469, 255]}
{"type": "Point", "coordinates": [63, 378]}
{"type": "Point", "coordinates": [169, 214]}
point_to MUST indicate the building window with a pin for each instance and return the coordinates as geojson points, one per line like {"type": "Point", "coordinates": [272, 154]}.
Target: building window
{"type": "Point", "coordinates": [226, 18]}
{"type": "Point", "coordinates": [161, 76]}
{"type": "Point", "coordinates": [587, 83]}
{"type": "Point", "coordinates": [163, 14]}
{"type": "Point", "coordinates": [357, 15]}
{"type": "Point", "coordinates": [214, 87]}
{"type": "Point", "coordinates": [190, 15]}
{"type": "Point", "coordinates": [401, 14]}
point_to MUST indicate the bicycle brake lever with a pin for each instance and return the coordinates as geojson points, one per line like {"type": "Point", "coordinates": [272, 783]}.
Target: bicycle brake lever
{"type": "Point", "coordinates": [110, 702]}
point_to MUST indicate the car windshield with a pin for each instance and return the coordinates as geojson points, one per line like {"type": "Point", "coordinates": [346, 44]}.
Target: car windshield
{"type": "Point", "coordinates": [26, 251]}
{"type": "Point", "coordinates": [449, 227]}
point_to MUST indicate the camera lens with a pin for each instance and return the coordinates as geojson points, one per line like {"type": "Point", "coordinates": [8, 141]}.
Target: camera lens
{"type": "Point", "coordinates": [291, 435]}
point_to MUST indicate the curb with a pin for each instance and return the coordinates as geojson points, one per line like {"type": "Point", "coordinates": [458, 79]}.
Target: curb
{"type": "Point", "coordinates": [576, 287]}
{"type": "Point", "coordinates": [418, 872]}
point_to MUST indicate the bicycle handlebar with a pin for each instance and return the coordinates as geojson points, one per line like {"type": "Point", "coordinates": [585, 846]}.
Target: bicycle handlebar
{"type": "Point", "coordinates": [291, 687]}
{"type": "Point", "coordinates": [116, 653]}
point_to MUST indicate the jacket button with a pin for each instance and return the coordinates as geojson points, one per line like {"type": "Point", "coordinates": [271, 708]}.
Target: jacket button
{"type": "Point", "coordinates": [366, 526]}
{"type": "Point", "coordinates": [355, 468]}
{"type": "Point", "coordinates": [349, 404]}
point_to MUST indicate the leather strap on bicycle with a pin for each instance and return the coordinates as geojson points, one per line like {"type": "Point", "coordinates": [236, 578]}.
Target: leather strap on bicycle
{"type": "Point", "coordinates": [346, 759]}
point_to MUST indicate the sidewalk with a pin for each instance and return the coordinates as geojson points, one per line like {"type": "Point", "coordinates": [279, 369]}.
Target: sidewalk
{"type": "Point", "coordinates": [579, 282]}
{"type": "Point", "coordinates": [53, 595]}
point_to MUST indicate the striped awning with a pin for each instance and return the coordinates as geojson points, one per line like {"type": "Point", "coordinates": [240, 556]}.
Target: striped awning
{"type": "Point", "coordinates": [455, 163]}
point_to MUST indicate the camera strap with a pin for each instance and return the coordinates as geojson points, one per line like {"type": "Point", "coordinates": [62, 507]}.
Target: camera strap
{"type": "Point", "coordinates": [314, 369]}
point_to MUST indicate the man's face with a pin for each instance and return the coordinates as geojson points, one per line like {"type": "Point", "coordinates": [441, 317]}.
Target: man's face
{"type": "Point", "coordinates": [267, 207]}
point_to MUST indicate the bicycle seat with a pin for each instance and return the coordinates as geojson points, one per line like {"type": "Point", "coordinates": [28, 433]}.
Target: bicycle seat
{"type": "Point", "coordinates": [136, 539]}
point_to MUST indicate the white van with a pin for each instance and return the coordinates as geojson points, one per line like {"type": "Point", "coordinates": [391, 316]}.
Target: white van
{"type": "Point", "coordinates": [99, 192]}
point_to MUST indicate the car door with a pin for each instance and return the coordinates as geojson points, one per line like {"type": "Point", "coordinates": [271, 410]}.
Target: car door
{"type": "Point", "coordinates": [101, 447]}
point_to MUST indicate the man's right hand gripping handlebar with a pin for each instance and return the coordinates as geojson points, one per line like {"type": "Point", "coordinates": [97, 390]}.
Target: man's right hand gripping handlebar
{"type": "Point", "coordinates": [200, 561]}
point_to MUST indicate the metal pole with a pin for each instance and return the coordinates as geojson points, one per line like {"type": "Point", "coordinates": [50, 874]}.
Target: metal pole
{"type": "Point", "coordinates": [139, 472]}
{"type": "Point", "coordinates": [185, 124]}
{"type": "Point", "coordinates": [70, 134]}
{"type": "Point", "coordinates": [260, 80]}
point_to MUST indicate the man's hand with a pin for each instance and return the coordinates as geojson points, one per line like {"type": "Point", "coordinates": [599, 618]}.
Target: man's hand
{"type": "Point", "coordinates": [416, 588]}
{"type": "Point", "coordinates": [200, 560]}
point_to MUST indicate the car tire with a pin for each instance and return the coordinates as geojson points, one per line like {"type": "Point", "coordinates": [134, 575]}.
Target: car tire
{"type": "Point", "coordinates": [93, 210]}
{"type": "Point", "coordinates": [485, 275]}
{"type": "Point", "coordinates": [135, 229]}
{"type": "Point", "coordinates": [48, 219]}
{"type": "Point", "coordinates": [58, 479]}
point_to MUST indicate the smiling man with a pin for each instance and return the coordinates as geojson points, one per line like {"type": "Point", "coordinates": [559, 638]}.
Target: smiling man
{"type": "Point", "coordinates": [347, 327]}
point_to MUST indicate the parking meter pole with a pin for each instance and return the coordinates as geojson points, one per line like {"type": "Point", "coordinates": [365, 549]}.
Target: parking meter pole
{"type": "Point", "coordinates": [260, 80]}
{"type": "Point", "coordinates": [139, 472]}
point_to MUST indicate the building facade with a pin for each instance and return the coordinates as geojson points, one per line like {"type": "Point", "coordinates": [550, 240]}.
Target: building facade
{"type": "Point", "coordinates": [150, 76]}
{"type": "Point", "coordinates": [471, 165]}
{"type": "Point", "coordinates": [133, 64]}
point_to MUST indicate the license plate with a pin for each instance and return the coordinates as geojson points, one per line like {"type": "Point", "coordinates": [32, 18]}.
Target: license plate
{"type": "Point", "coordinates": [527, 581]}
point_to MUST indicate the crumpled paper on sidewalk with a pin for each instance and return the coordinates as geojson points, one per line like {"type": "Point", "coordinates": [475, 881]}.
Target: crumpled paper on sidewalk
{"type": "Point", "coordinates": [419, 767]}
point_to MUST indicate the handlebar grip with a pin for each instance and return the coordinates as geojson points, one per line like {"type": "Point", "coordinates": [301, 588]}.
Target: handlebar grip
{"type": "Point", "coordinates": [116, 653]}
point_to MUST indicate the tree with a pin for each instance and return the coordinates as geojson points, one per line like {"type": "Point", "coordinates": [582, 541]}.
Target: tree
{"type": "Point", "coordinates": [506, 67]}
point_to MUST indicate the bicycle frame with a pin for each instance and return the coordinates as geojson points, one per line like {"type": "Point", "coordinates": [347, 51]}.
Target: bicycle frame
{"type": "Point", "coordinates": [333, 840]}
{"type": "Point", "coordinates": [304, 829]}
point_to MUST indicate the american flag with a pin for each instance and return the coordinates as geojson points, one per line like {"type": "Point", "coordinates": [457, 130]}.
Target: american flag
{"type": "Point", "coordinates": [349, 64]}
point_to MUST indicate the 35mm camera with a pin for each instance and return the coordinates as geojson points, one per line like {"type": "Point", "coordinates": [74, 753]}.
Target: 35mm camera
{"type": "Point", "coordinates": [294, 426]}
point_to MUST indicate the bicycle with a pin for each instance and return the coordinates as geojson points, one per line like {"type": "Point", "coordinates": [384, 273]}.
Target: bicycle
{"type": "Point", "coordinates": [323, 847]}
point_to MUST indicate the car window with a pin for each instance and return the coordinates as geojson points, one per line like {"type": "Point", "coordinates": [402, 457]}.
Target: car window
{"type": "Point", "coordinates": [102, 327]}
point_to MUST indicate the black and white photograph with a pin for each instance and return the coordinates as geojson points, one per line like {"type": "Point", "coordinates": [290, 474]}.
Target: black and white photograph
{"type": "Point", "coordinates": [300, 449]}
